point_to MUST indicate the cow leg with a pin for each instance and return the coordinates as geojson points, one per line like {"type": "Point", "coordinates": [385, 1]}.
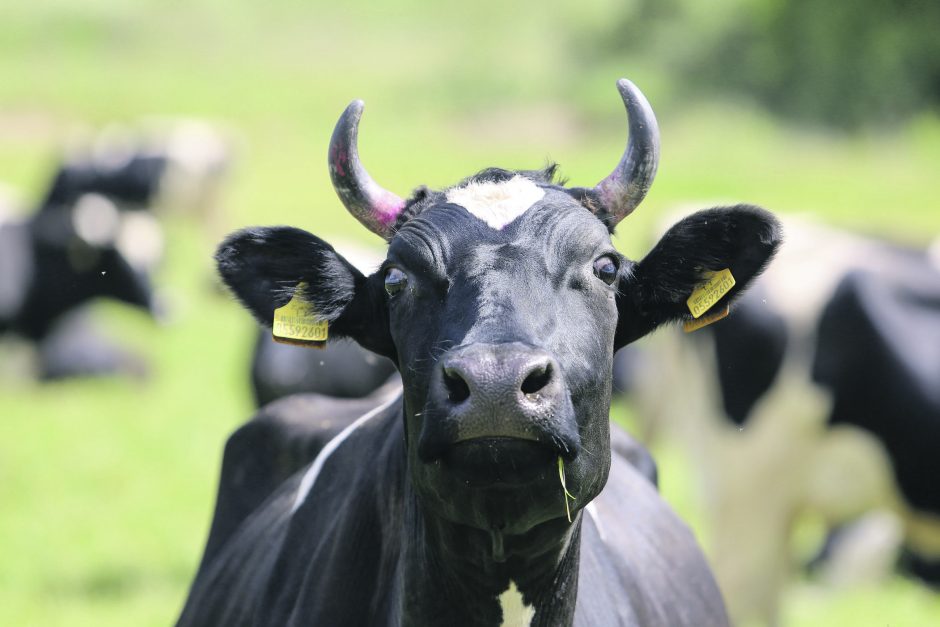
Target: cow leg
{"type": "Point", "coordinates": [862, 551]}
{"type": "Point", "coordinates": [76, 347]}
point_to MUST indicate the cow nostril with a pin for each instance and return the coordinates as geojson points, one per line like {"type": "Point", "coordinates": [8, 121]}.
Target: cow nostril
{"type": "Point", "coordinates": [457, 389]}
{"type": "Point", "coordinates": [537, 379]}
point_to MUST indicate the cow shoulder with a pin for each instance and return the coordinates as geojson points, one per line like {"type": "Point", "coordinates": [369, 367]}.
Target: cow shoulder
{"type": "Point", "coordinates": [282, 437]}
{"type": "Point", "coordinates": [338, 561]}
{"type": "Point", "coordinates": [633, 544]}
{"type": "Point", "coordinates": [227, 588]}
{"type": "Point", "coordinates": [299, 497]}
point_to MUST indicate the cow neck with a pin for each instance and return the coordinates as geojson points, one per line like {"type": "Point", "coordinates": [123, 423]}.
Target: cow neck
{"type": "Point", "coordinates": [454, 575]}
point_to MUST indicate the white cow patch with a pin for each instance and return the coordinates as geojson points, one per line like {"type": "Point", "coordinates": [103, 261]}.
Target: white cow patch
{"type": "Point", "coordinates": [10, 203]}
{"type": "Point", "coordinates": [591, 509]}
{"type": "Point", "coordinates": [140, 239]}
{"type": "Point", "coordinates": [515, 612]}
{"type": "Point", "coordinates": [933, 253]}
{"type": "Point", "coordinates": [497, 204]}
{"type": "Point", "coordinates": [310, 477]}
{"type": "Point", "coordinates": [96, 219]}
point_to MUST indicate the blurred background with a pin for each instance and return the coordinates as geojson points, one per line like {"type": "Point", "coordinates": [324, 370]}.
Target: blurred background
{"type": "Point", "coordinates": [107, 483]}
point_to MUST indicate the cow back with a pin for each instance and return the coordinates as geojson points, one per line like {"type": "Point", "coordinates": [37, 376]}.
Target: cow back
{"type": "Point", "coordinates": [879, 354]}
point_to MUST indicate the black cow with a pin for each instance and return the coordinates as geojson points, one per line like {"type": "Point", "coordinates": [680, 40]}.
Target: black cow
{"type": "Point", "coordinates": [824, 383]}
{"type": "Point", "coordinates": [341, 369]}
{"type": "Point", "coordinates": [474, 497]}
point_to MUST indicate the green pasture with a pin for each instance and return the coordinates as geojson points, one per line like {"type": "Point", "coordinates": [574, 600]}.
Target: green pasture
{"type": "Point", "coordinates": [107, 486]}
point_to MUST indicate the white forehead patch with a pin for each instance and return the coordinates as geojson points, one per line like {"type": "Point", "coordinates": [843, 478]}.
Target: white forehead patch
{"type": "Point", "coordinates": [497, 204]}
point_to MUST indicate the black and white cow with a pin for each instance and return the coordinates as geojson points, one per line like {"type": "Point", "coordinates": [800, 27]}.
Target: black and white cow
{"type": "Point", "coordinates": [94, 235]}
{"type": "Point", "coordinates": [64, 256]}
{"type": "Point", "coordinates": [820, 395]}
{"type": "Point", "coordinates": [501, 301]}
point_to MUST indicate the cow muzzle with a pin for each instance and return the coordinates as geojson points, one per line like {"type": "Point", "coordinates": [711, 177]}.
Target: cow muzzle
{"type": "Point", "coordinates": [498, 413]}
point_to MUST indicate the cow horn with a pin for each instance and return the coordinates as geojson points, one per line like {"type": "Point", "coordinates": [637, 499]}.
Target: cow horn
{"type": "Point", "coordinates": [375, 207]}
{"type": "Point", "coordinates": [625, 187]}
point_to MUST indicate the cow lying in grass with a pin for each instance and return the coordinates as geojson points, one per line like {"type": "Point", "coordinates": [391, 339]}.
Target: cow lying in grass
{"type": "Point", "coordinates": [94, 236]}
{"type": "Point", "coordinates": [485, 493]}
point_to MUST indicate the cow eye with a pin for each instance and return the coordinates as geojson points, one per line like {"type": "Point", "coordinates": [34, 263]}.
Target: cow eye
{"type": "Point", "coordinates": [395, 280]}
{"type": "Point", "coordinates": [605, 269]}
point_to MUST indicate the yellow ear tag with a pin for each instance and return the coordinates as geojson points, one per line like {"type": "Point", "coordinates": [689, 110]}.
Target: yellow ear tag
{"type": "Point", "coordinates": [297, 322]}
{"type": "Point", "coordinates": [694, 325]}
{"type": "Point", "coordinates": [710, 292]}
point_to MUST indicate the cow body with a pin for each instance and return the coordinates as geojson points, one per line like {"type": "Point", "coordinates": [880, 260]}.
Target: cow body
{"type": "Point", "coordinates": [490, 488]}
{"type": "Point", "coordinates": [822, 383]}
{"type": "Point", "coordinates": [878, 355]}
{"type": "Point", "coordinates": [355, 521]}
{"type": "Point", "coordinates": [54, 264]}
{"type": "Point", "coordinates": [342, 369]}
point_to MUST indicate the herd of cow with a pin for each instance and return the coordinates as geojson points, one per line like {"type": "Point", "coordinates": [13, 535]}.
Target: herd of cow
{"type": "Point", "coordinates": [447, 457]}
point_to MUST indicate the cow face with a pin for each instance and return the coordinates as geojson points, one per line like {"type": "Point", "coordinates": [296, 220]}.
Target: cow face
{"type": "Point", "coordinates": [502, 301]}
{"type": "Point", "coordinates": [503, 322]}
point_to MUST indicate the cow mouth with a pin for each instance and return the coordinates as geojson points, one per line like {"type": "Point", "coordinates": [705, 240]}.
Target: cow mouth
{"type": "Point", "coordinates": [492, 461]}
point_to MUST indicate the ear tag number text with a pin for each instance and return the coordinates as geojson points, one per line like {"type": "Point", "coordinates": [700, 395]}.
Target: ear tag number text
{"type": "Point", "coordinates": [704, 297]}
{"type": "Point", "coordinates": [298, 323]}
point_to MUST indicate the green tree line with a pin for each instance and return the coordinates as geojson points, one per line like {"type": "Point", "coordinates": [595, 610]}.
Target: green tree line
{"type": "Point", "coordinates": [839, 63]}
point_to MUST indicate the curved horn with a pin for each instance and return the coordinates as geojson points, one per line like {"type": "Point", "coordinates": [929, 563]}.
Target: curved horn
{"type": "Point", "coordinates": [626, 186]}
{"type": "Point", "coordinates": [374, 206]}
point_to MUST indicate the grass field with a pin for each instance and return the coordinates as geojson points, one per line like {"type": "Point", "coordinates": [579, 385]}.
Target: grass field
{"type": "Point", "coordinates": [106, 487]}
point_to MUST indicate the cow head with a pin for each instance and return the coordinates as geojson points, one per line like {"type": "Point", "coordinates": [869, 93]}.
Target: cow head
{"type": "Point", "coordinates": [502, 301]}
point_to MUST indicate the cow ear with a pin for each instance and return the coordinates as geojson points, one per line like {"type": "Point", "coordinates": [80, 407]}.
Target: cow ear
{"type": "Point", "coordinates": [655, 291]}
{"type": "Point", "coordinates": [263, 266]}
